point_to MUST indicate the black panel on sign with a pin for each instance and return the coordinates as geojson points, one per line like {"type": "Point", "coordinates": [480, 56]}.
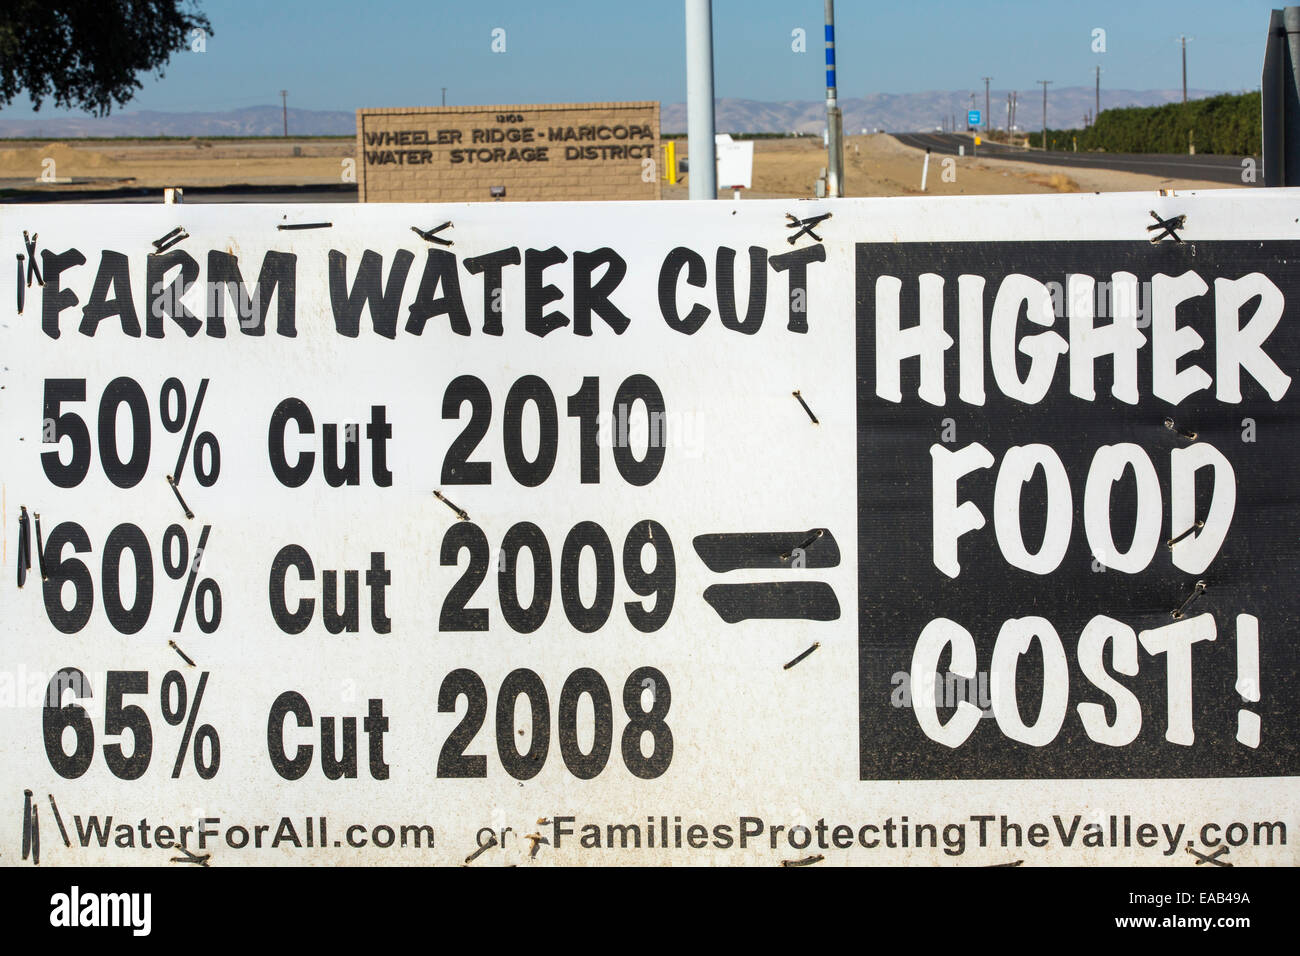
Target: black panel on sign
{"type": "Point", "coordinates": [1255, 572]}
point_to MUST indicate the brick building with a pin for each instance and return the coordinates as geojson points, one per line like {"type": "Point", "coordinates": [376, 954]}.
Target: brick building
{"type": "Point", "coordinates": [561, 151]}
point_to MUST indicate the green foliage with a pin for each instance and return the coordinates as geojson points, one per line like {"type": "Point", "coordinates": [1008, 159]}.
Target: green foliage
{"type": "Point", "coordinates": [1226, 125]}
{"type": "Point", "coordinates": [86, 54]}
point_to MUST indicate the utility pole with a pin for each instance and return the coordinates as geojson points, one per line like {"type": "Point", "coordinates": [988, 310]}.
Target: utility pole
{"type": "Point", "coordinates": [1183, 41]}
{"type": "Point", "coordinates": [1044, 82]}
{"type": "Point", "coordinates": [444, 96]}
{"type": "Point", "coordinates": [834, 122]}
{"type": "Point", "coordinates": [701, 150]}
{"type": "Point", "coordinates": [1097, 112]}
{"type": "Point", "coordinates": [988, 110]}
{"type": "Point", "coordinates": [1008, 117]}
{"type": "Point", "coordinates": [284, 110]}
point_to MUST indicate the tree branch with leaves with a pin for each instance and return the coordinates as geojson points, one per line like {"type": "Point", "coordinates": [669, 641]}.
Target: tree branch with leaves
{"type": "Point", "coordinates": [89, 54]}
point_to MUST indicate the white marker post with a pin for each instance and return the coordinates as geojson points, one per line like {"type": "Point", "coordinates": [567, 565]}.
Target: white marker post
{"type": "Point", "coordinates": [925, 169]}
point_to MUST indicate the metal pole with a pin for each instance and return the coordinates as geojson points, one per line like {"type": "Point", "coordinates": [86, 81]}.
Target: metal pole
{"type": "Point", "coordinates": [1097, 111]}
{"type": "Point", "coordinates": [1280, 84]}
{"type": "Point", "coordinates": [284, 109]}
{"type": "Point", "coordinates": [1044, 82]}
{"type": "Point", "coordinates": [699, 100]}
{"type": "Point", "coordinates": [1183, 40]}
{"type": "Point", "coordinates": [444, 96]}
{"type": "Point", "coordinates": [988, 109]}
{"type": "Point", "coordinates": [1281, 100]}
{"type": "Point", "coordinates": [834, 126]}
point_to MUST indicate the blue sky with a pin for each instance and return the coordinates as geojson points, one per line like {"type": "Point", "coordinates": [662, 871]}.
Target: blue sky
{"type": "Point", "coordinates": [344, 55]}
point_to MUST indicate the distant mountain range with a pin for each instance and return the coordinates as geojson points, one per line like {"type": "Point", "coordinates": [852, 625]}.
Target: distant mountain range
{"type": "Point", "coordinates": [894, 112]}
{"type": "Point", "coordinates": [250, 121]}
{"type": "Point", "coordinates": [911, 112]}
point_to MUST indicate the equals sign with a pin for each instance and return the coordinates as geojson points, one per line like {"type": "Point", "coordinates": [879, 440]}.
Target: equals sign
{"type": "Point", "coordinates": [771, 600]}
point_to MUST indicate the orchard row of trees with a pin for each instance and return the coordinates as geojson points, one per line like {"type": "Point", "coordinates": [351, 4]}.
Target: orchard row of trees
{"type": "Point", "coordinates": [1227, 125]}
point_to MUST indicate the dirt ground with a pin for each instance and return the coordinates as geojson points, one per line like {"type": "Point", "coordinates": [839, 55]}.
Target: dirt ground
{"type": "Point", "coordinates": [875, 165]}
{"type": "Point", "coordinates": [192, 163]}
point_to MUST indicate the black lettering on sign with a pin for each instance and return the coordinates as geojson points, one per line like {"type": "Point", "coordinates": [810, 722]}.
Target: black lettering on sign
{"type": "Point", "coordinates": [407, 137]}
{"type": "Point", "coordinates": [398, 157]}
{"type": "Point", "coordinates": [291, 621]}
{"type": "Point", "coordinates": [589, 298]}
{"type": "Point", "coordinates": [115, 278]}
{"type": "Point", "coordinates": [524, 135]}
{"type": "Point", "coordinates": [499, 154]}
{"type": "Point", "coordinates": [290, 410]}
{"type": "Point", "coordinates": [367, 289]}
{"type": "Point", "coordinates": [796, 263]}
{"type": "Point", "coordinates": [537, 292]}
{"type": "Point", "coordinates": [726, 268]}
{"type": "Point", "coordinates": [166, 300]}
{"type": "Point", "coordinates": [289, 704]}
{"type": "Point", "coordinates": [276, 278]}
{"type": "Point", "coordinates": [439, 273]}
{"type": "Point", "coordinates": [669, 276]}
{"type": "Point", "coordinates": [491, 266]}
{"type": "Point", "coordinates": [610, 151]}
{"type": "Point", "coordinates": [54, 298]}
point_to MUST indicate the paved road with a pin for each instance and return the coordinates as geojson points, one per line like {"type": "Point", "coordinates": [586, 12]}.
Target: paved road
{"type": "Point", "coordinates": [1218, 169]}
{"type": "Point", "coordinates": [222, 194]}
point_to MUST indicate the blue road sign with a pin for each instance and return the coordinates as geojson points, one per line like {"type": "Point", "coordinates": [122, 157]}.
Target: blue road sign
{"type": "Point", "coordinates": [974, 117]}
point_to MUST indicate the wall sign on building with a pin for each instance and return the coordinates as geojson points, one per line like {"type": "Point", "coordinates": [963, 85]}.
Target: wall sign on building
{"type": "Point", "coordinates": [555, 152]}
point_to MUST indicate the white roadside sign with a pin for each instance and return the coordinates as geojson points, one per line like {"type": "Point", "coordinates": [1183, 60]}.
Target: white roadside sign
{"type": "Point", "coordinates": [906, 531]}
{"type": "Point", "coordinates": [735, 162]}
